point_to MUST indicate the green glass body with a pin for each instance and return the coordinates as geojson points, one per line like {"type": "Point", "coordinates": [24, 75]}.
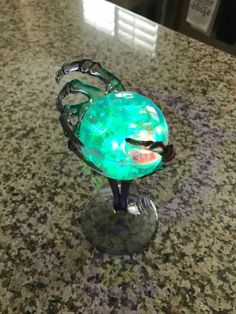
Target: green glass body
{"type": "Point", "coordinates": [108, 121]}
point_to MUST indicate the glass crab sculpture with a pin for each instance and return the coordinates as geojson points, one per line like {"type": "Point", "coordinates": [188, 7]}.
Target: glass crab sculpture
{"type": "Point", "coordinates": [120, 134]}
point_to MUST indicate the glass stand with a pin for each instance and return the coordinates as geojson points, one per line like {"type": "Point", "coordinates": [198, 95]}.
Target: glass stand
{"type": "Point", "coordinates": [119, 232]}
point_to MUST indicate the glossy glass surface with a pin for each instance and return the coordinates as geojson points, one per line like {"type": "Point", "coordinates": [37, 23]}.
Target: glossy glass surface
{"type": "Point", "coordinates": [119, 233]}
{"type": "Point", "coordinates": [106, 125]}
{"type": "Point", "coordinates": [47, 265]}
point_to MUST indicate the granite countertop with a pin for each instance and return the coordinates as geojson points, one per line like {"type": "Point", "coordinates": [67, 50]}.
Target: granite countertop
{"type": "Point", "coordinates": [46, 264]}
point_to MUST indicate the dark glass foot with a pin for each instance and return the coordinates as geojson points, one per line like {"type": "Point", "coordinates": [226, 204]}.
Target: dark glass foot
{"type": "Point", "coordinates": [119, 232]}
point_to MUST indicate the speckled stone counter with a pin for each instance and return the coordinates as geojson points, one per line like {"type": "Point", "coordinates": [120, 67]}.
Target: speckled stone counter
{"type": "Point", "coordinates": [46, 264]}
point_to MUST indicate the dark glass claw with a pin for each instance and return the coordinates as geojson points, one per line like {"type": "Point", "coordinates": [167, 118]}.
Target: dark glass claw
{"type": "Point", "coordinates": [93, 69]}
{"type": "Point", "coordinates": [67, 130]}
{"type": "Point", "coordinates": [138, 142]}
{"type": "Point", "coordinates": [167, 151]}
{"type": "Point", "coordinates": [77, 87]}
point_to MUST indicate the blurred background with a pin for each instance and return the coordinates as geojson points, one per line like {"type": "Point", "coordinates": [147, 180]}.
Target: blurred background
{"type": "Point", "coordinates": [210, 21]}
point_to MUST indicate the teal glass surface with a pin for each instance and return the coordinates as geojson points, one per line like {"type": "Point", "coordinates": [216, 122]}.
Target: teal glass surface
{"type": "Point", "coordinates": [108, 121]}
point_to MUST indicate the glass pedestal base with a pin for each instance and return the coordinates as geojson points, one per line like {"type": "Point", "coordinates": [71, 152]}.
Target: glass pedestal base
{"type": "Point", "coordinates": [119, 233]}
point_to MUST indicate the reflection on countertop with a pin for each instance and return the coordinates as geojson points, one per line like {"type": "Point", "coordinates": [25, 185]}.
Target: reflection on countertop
{"type": "Point", "coordinates": [46, 264]}
{"type": "Point", "coordinates": [214, 20]}
{"type": "Point", "coordinates": [134, 30]}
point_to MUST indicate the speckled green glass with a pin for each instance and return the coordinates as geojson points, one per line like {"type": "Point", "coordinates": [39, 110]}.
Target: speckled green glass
{"type": "Point", "coordinates": [106, 124]}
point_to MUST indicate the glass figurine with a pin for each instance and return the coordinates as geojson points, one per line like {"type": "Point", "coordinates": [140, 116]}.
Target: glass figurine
{"type": "Point", "coordinates": [123, 136]}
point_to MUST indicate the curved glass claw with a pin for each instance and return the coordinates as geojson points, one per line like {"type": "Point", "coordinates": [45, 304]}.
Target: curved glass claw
{"type": "Point", "coordinates": [75, 87]}
{"type": "Point", "coordinates": [166, 151]}
{"type": "Point", "coordinates": [91, 92]}
{"type": "Point", "coordinates": [138, 142]}
{"type": "Point", "coordinates": [93, 69]}
{"type": "Point", "coordinates": [67, 130]}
